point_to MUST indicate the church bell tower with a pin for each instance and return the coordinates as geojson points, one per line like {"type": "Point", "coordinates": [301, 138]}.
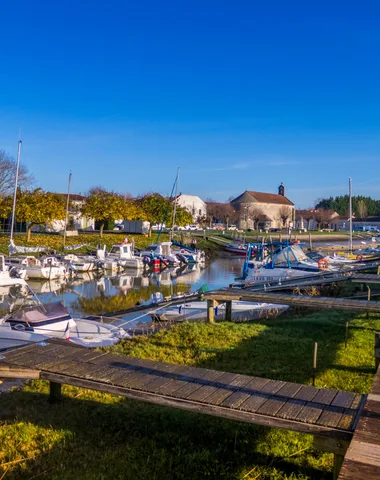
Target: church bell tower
{"type": "Point", "coordinates": [281, 190]}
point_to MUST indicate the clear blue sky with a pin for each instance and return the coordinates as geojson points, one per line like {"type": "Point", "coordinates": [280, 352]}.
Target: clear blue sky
{"type": "Point", "coordinates": [239, 94]}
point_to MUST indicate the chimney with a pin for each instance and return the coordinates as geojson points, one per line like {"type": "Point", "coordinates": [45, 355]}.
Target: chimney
{"type": "Point", "coordinates": [281, 190]}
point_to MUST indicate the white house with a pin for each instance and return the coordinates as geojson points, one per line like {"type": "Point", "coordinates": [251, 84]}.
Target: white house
{"type": "Point", "coordinates": [75, 219]}
{"type": "Point", "coordinates": [193, 204]}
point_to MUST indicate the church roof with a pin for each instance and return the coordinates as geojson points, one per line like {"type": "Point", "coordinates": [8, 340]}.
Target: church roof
{"type": "Point", "coordinates": [261, 197]}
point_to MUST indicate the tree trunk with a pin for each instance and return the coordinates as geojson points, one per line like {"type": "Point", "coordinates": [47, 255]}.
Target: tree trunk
{"type": "Point", "coordinates": [29, 232]}
{"type": "Point", "coordinates": [101, 230]}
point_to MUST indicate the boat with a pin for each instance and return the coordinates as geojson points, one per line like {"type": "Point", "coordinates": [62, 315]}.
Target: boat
{"type": "Point", "coordinates": [46, 267]}
{"type": "Point", "coordinates": [197, 311]}
{"type": "Point", "coordinates": [122, 256]}
{"type": "Point", "coordinates": [237, 248]}
{"type": "Point", "coordinates": [10, 274]}
{"type": "Point", "coordinates": [162, 252]}
{"type": "Point", "coordinates": [53, 320]}
{"type": "Point", "coordinates": [284, 263]}
{"type": "Point", "coordinates": [82, 263]}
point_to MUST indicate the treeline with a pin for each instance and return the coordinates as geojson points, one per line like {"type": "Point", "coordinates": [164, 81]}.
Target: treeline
{"type": "Point", "coordinates": [363, 207]}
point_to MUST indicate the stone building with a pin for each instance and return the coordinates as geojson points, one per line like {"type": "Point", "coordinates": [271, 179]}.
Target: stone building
{"type": "Point", "coordinates": [260, 210]}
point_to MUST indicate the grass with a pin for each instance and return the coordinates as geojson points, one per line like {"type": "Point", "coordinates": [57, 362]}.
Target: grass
{"type": "Point", "coordinates": [97, 436]}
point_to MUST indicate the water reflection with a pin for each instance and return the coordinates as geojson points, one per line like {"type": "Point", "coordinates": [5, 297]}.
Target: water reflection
{"type": "Point", "coordinates": [91, 294]}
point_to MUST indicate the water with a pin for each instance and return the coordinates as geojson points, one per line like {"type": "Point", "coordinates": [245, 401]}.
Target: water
{"type": "Point", "coordinates": [90, 294]}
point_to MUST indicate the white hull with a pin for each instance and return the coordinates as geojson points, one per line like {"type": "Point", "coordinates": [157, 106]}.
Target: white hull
{"type": "Point", "coordinates": [277, 274]}
{"type": "Point", "coordinates": [46, 272]}
{"type": "Point", "coordinates": [196, 311]}
{"type": "Point", "coordinates": [7, 281]}
{"type": "Point", "coordinates": [11, 339]}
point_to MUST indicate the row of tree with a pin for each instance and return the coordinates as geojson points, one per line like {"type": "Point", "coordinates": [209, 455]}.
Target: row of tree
{"type": "Point", "coordinates": [363, 207]}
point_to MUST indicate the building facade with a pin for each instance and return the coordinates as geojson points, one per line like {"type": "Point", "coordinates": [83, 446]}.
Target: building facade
{"type": "Point", "coordinates": [260, 210]}
{"type": "Point", "coordinates": [193, 204]}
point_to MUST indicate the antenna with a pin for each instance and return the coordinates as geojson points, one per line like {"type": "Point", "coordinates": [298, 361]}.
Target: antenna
{"type": "Point", "coordinates": [16, 182]}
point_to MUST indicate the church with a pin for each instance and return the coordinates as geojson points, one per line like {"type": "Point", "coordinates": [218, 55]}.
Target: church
{"type": "Point", "coordinates": [260, 210]}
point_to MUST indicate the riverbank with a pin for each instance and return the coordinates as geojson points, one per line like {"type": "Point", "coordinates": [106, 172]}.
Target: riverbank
{"type": "Point", "coordinates": [93, 435]}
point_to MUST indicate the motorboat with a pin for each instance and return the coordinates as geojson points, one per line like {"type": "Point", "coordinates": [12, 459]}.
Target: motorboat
{"type": "Point", "coordinates": [284, 263]}
{"type": "Point", "coordinates": [122, 256]}
{"type": "Point", "coordinates": [162, 251]}
{"type": "Point", "coordinates": [12, 338]}
{"type": "Point", "coordinates": [197, 311]}
{"type": "Point", "coordinates": [53, 320]}
{"type": "Point", "coordinates": [237, 248]}
{"type": "Point", "coordinates": [190, 254]}
{"type": "Point", "coordinates": [47, 267]}
{"type": "Point", "coordinates": [11, 274]}
{"type": "Point", "coordinates": [82, 263]}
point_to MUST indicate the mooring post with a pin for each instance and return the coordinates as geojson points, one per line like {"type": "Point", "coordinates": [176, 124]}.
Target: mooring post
{"type": "Point", "coordinates": [338, 462]}
{"type": "Point", "coordinates": [377, 349]}
{"type": "Point", "coordinates": [228, 311]}
{"type": "Point", "coordinates": [55, 392]}
{"type": "Point", "coordinates": [368, 297]}
{"type": "Point", "coordinates": [211, 304]}
{"type": "Point", "coordinates": [310, 244]}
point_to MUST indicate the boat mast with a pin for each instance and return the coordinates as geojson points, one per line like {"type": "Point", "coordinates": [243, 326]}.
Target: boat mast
{"type": "Point", "coordinates": [15, 192]}
{"type": "Point", "coordinates": [67, 210]}
{"type": "Point", "coordinates": [350, 210]}
{"type": "Point", "coordinates": [175, 205]}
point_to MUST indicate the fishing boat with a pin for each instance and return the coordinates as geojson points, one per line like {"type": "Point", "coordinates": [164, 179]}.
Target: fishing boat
{"type": "Point", "coordinates": [11, 275]}
{"type": "Point", "coordinates": [82, 263]}
{"type": "Point", "coordinates": [162, 251]}
{"type": "Point", "coordinates": [122, 256]}
{"type": "Point", "coordinates": [53, 320]}
{"type": "Point", "coordinates": [197, 311]}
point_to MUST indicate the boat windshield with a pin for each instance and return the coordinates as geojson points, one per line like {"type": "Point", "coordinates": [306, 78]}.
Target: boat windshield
{"type": "Point", "coordinates": [290, 255]}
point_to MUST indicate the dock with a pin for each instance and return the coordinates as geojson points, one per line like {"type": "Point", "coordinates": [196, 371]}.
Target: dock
{"type": "Point", "coordinates": [331, 416]}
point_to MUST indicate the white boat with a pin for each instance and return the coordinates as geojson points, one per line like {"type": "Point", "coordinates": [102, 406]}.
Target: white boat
{"type": "Point", "coordinates": [284, 264]}
{"type": "Point", "coordinates": [47, 267]}
{"type": "Point", "coordinates": [122, 256]}
{"type": "Point", "coordinates": [82, 263]}
{"type": "Point", "coordinates": [162, 251]}
{"type": "Point", "coordinates": [196, 311]}
{"type": "Point", "coordinates": [11, 275]}
{"type": "Point", "coordinates": [53, 320]}
{"type": "Point", "coordinates": [12, 338]}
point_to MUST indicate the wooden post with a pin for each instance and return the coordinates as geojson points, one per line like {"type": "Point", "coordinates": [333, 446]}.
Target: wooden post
{"type": "Point", "coordinates": [377, 349]}
{"type": "Point", "coordinates": [338, 462]}
{"type": "Point", "coordinates": [310, 244]}
{"type": "Point", "coordinates": [345, 344]}
{"type": "Point", "coordinates": [211, 304]}
{"type": "Point", "coordinates": [55, 392]}
{"type": "Point", "coordinates": [315, 361]}
{"type": "Point", "coordinates": [368, 297]}
{"type": "Point", "coordinates": [229, 311]}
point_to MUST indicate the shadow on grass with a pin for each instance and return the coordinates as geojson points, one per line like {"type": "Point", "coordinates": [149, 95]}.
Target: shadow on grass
{"type": "Point", "coordinates": [96, 436]}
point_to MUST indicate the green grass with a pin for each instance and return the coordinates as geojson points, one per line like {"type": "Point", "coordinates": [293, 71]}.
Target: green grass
{"type": "Point", "coordinates": [97, 436]}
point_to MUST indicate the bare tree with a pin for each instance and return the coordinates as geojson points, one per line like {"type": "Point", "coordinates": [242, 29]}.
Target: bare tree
{"type": "Point", "coordinates": [362, 209]}
{"type": "Point", "coordinates": [284, 214]}
{"type": "Point", "coordinates": [323, 216]}
{"type": "Point", "coordinates": [254, 214]}
{"type": "Point", "coordinates": [8, 175]}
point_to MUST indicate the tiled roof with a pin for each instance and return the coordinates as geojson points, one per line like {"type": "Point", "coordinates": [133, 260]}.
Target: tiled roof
{"type": "Point", "coordinates": [262, 197]}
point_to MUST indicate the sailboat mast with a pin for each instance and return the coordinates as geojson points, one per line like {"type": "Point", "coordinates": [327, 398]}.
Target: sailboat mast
{"type": "Point", "coordinates": [175, 204]}
{"type": "Point", "coordinates": [15, 192]}
{"type": "Point", "coordinates": [67, 210]}
{"type": "Point", "coordinates": [350, 210]}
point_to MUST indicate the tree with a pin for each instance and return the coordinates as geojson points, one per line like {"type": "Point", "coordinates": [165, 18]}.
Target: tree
{"type": "Point", "coordinates": [254, 214]}
{"type": "Point", "coordinates": [8, 175]}
{"type": "Point", "coordinates": [105, 206]}
{"type": "Point", "coordinates": [159, 209]}
{"type": "Point", "coordinates": [341, 204]}
{"type": "Point", "coordinates": [361, 209]}
{"type": "Point", "coordinates": [284, 214]}
{"type": "Point", "coordinates": [323, 216]}
{"type": "Point", "coordinates": [37, 207]}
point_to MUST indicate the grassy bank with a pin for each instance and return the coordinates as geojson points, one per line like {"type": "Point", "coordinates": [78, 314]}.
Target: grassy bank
{"type": "Point", "coordinates": [97, 436]}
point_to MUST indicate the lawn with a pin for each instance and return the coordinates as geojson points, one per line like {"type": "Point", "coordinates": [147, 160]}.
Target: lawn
{"type": "Point", "coordinates": [97, 436]}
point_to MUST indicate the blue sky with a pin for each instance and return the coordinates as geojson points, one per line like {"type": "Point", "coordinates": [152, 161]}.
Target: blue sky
{"type": "Point", "coordinates": [238, 94]}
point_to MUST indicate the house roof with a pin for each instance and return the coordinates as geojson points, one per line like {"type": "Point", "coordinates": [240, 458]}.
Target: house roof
{"type": "Point", "coordinates": [261, 197]}
{"type": "Point", "coordinates": [73, 196]}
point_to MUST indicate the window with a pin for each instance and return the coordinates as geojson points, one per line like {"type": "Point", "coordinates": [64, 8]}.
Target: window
{"type": "Point", "coordinates": [200, 212]}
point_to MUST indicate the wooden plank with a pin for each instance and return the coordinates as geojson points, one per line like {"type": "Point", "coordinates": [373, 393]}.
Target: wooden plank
{"type": "Point", "coordinates": [199, 407]}
{"type": "Point", "coordinates": [182, 377]}
{"type": "Point", "coordinates": [159, 381]}
{"type": "Point", "coordinates": [291, 409]}
{"type": "Point", "coordinates": [352, 470]}
{"type": "Point", "coordinates": [348, 418]}
{"type": "Point", "coordinates": [366, 453]}
{"type": "Point", "coordinates": [325, 396]}
{"type": "Point", "coordinates": [220, 394]}
{"type": "Point", "coordinates": [235, 399]}
{"type": "Point", "coordinates": [330, 416]}
{"type": "Point", "coordinates": [289, 390]}
{"type": "Point", "coordinates": [201, 395]}
{"type": "Point", "coordinates": [306, 393]}
{"type": "Point", "coordinates": [186, 390]}
{"type": "Point", "coordinates": [346, 399]}
{"type": "Point", "coordinates": [17, 372]}
{"type": "Point", "coordinates": [254, 402]}
{"type": "Point", "coordinates": [310, 412]}
{"type": "Point", "coordinates": [272, 405]}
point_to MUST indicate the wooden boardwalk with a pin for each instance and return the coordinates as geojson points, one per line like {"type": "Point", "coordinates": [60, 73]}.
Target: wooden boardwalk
{"type": "Point", "coordinates": [362, 460]}
{"type": "Point", "coordinates": [226, 295]}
